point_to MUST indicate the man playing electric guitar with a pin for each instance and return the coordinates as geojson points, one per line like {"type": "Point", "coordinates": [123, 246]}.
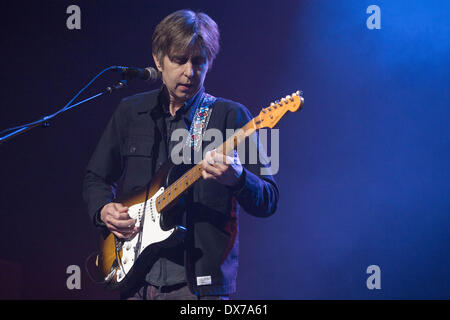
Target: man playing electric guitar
{"type": "Point", "coordinates": [138, 141]}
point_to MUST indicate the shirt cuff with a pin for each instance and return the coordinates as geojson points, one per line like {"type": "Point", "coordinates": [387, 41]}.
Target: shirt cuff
{"type": "Point", "coordinates": [98, 222]}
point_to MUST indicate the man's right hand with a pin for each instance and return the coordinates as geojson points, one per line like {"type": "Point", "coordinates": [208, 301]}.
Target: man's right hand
{"type": "Point", "coordinates": [116, 218]}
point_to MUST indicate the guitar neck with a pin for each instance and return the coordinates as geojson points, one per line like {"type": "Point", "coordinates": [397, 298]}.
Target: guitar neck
{"type": "Point", "coordinates": [267, 118]}
{"type": "Point", "coordinates": [173, 192]}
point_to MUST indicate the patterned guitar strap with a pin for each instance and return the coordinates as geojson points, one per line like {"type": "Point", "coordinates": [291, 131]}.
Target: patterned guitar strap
{"type": "Point", "coordinates": [200, 122]}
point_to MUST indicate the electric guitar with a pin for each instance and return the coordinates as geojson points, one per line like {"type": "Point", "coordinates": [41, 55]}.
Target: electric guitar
{"type": "Point", "coordinates": [121, 263]}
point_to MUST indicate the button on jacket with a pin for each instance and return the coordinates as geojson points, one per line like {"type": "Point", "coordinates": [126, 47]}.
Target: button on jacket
{"type": "Point", "coordinates": [131, 150]}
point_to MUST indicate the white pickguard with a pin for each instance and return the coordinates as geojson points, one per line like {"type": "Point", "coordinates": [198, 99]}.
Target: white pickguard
{"type": "Point", "coordinates": [150, 233]}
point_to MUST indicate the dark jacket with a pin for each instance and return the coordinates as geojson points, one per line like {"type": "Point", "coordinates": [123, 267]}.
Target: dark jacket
{"type": "Point", "coordinates": [126, 158]}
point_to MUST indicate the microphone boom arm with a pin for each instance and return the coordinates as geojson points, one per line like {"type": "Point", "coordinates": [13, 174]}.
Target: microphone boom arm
{"type": "Point", "coordinates": [44, 122]}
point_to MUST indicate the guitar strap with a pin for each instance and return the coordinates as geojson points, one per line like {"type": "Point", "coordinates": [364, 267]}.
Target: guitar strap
{"type": "Point", "coordinates": [200, 122]}
{"type": "Point", "coordinates": [195, 138]}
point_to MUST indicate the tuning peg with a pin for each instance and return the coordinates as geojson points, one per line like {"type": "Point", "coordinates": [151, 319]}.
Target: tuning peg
{"type": "Point", "coordinates": [299, 93]}
{"type": "Point", "coordinates": [288, 97]}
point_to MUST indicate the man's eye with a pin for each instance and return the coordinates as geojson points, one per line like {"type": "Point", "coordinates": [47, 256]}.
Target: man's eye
{"type": "Point", "coordinates": [179, 60]}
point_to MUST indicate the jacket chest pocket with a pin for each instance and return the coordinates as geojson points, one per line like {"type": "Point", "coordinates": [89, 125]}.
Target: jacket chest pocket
{"type": "Point", "coordinates": [138, 147]}
{"type": "Point", "coordinates": [138, 159]}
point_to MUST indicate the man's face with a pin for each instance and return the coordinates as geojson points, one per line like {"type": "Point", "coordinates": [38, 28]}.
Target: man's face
{"type": "Point", "coordinates": [183, 73]}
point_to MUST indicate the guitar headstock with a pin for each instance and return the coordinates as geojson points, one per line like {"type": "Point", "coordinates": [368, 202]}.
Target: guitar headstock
{"type": "Point", "coordinates": [269, 117]}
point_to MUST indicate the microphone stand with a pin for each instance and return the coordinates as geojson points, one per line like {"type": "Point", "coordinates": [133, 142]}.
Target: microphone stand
{"type": "Point", "coordinates": [44, 121]}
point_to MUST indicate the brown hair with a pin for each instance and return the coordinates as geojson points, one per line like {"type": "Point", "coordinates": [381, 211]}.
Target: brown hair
{"type": "Point", "coordinates": [184, 29]}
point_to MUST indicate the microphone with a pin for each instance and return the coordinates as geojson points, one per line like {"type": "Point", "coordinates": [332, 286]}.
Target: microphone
{"type": "Point", "coordinates": [148, 74]}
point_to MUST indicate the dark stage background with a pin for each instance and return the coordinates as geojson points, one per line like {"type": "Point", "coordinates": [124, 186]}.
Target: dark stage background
{"type": "Point", "coordinates": [364, 168]}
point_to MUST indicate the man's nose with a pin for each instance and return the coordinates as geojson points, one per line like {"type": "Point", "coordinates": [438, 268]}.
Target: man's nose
{"type": "Point", "coordinates": [189, 69]}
